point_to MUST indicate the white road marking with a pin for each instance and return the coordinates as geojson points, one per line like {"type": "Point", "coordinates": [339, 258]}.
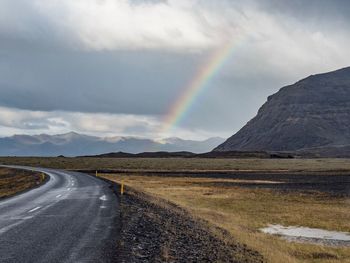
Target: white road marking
{"type": "Point", "coordinates": [102, 206]}
{"type": "Point", "coordinates": [58, 196]}
{"type": "Point", "coordinates": [20, 217]}
{"type": "Point", "coordinates": [7, 228]}
{"type": "Point", "coordinates": [34, 209]}
{"type": "Point", "coordinates": [68, 188]}
{"type": "Point", "coordinates": [103, 198]}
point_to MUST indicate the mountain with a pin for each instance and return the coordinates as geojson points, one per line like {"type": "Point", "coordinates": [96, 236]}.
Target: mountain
{"type": "Point", "coordinates": [310, 116]}
{"type": "Point", "coordinates": [74, 144]}
{"type": "Point", "coordinates": [178, 145]}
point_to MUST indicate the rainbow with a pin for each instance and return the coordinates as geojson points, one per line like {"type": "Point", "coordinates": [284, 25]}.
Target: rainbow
{"type": "Point", "coordinates": [197, 85]}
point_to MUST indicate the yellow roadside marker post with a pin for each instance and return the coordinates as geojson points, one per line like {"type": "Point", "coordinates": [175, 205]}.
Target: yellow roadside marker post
{"type": "Point", "coordinates": [122, 188]}
{"type": "Point", "coordinates": [96, 174]}
{"type": "Point", "coordinates": [42, 177]}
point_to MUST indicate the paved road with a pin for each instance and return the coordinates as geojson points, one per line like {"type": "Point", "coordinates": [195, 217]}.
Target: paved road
{"type": "Point", "coordinates": [71, 218]}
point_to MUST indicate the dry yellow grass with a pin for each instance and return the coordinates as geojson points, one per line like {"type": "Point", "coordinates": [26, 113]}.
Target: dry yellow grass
{"type": "Point", "coordinates": [13, 181]}
{"type": "Point", "coordinates": [243, 211]}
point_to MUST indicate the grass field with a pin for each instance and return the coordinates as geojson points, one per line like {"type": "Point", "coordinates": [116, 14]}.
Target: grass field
{"type": "Point", "coordinates": [244, 211]}
{"type": "Point", "coordinates": [13, 181]}
{"type": "Point", "coordinates": [183, 164]}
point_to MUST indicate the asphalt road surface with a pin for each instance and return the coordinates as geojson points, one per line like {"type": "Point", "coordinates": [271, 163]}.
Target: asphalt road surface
{"type": "Point", "coordinates": [73, 217]}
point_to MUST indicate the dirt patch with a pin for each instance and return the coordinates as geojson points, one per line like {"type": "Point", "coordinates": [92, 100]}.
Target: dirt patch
{"type": "Point", "coordinates": [154, 230]}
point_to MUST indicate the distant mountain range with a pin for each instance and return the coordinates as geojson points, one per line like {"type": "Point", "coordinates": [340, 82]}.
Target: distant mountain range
{"type": "Point", "coordinates": [74, 144]}
{"type": "Point", "coordinates": [308, 118]}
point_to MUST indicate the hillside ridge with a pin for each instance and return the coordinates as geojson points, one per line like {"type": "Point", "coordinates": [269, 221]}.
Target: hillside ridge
{"type": "Point", "coordinates": [312, 113]}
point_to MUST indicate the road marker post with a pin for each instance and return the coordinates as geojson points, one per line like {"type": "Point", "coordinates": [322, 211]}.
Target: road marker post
{"type": "Point", "coordinates": [122, 188]}
{"type": "Point", "coordinates": [96, 174]}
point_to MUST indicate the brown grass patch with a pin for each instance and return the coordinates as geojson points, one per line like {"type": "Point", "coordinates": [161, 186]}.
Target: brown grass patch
{"type": "Point", "coordinates": [13, 181]}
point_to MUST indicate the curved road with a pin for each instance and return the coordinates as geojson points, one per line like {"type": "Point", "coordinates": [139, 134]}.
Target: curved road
{"type": "Point", "coordinates": [74, 217]}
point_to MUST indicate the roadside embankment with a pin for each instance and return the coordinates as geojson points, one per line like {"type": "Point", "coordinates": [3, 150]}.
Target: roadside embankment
{"type": "Point", "coordinates": [15, 181]}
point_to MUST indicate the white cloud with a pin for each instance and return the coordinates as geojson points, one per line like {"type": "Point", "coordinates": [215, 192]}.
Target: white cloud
{"type": "Point", "coordinates": [122, 24]}
{"type": "Point", "coordinates": [181, 25]}
{"type": "Point", "coordinates": [15, 121]}
{"type": "Point", "coordinates": [186, 25]}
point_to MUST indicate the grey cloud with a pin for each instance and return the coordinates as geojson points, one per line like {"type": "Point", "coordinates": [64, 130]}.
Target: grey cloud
{"type": "Point", "coordinates": [310, 9]}
{"type": "Point", "coordinates": [119, 82]}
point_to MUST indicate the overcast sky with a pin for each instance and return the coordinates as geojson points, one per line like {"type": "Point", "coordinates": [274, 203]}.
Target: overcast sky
{"type": "Point", "coordinates": [114, 67]}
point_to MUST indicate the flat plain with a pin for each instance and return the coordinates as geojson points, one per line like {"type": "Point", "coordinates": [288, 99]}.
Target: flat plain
{"type": "Point", "coordinates": [184, 164]}
{"type": "Point", "coordinates": [243, 210]}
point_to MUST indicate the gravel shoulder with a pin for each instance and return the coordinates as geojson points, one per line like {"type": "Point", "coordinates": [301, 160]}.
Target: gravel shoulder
{"type": "Point", "coordinates": [154, 230]}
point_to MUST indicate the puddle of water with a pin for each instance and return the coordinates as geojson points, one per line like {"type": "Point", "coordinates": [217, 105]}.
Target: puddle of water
{"type": "Point", "coordinates": [306, 234]}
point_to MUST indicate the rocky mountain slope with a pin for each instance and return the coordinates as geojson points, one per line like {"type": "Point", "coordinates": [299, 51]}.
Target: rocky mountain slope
{"type": "Point", "coordinates": [74, 144]}
{"type": "Point", "coordinates": [310, 115]}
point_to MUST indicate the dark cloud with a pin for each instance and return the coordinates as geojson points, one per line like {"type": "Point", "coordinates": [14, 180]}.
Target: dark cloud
{"type": "Point", "coordinates": [115, 82]}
